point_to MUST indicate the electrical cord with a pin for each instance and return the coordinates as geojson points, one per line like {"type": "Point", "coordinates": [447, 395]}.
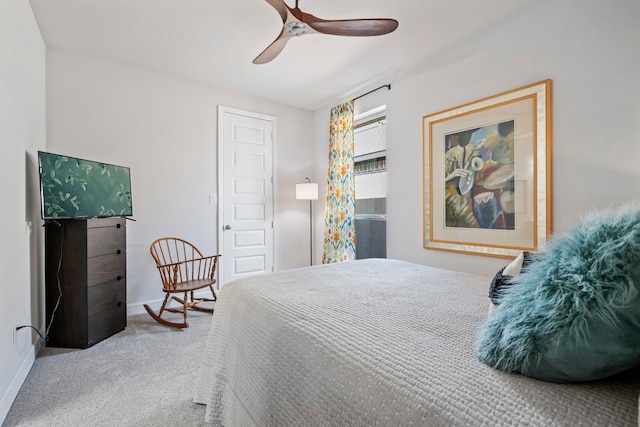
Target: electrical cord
{"type": "Point", "coordinates": [59, 283]}
{"type": "Point", "coordinates": [43, 339]}
{"type": "Point", "coordinates": [55, 307]}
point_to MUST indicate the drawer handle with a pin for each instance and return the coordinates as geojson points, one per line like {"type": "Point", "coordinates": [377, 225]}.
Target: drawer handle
{"type": "Point", "coordinates": [119, 304]}
{"type": "Point", "coordinates": [119, 278]}
{"type": "Point", "coordinates": [119, 251]}
{"type": "Point", "coordinates": [118, 225]}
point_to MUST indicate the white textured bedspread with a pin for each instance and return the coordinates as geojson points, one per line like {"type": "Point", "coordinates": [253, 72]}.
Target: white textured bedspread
{"type": "Point", "coordinates": [377, 342]}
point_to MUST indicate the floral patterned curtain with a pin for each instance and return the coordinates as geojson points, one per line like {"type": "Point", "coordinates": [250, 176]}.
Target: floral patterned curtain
{"type": "Point", "coordinates": [339, 216]}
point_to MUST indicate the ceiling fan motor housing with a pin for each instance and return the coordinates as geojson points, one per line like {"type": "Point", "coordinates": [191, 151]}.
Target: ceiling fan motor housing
{"type": "Point", "coordinates": [296, 28]}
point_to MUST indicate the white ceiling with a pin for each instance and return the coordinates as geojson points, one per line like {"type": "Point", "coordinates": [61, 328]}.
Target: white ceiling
{"type": "Point", "coordinates": [214, 41]}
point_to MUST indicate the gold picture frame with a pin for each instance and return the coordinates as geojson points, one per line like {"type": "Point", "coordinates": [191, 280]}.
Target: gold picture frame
{"type": "Point", "coordinates": [487, 174]}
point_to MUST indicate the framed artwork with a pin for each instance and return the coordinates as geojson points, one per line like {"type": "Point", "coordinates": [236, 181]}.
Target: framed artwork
{"type": "Point", "coordinates": [487, 174]}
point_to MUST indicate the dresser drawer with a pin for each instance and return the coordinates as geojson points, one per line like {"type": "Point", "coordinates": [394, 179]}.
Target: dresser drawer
{"type": "Point", "coordinates": [106, 268]}
{"type": "Point", "coordinates": [106, 240]}
{"type": "Point", "coordinates": [106, 296]}
{"type": "Point", "coordinates": [106, 323]}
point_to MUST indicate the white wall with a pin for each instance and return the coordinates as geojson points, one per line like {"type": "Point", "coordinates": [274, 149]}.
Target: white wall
{"type": "Point", "coordinates": [165, 130]}
{"type": "Point", "coordinates": [589, 49]}
{"type": "Point", "coordinates": [22, 134]}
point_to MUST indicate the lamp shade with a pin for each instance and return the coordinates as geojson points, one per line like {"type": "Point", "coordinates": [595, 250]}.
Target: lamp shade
{"type": "Point", "coordinates": [307, 191]}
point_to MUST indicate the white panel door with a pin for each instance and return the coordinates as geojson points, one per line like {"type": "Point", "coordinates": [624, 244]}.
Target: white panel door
{"type": "Point", "coordinates": [247, 211]}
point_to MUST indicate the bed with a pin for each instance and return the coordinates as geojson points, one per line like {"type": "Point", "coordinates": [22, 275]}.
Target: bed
{"type": "Point", "coordinates": [378, 342]}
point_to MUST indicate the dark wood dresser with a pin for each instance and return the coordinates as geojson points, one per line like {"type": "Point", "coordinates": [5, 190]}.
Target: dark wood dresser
{"type": "Point", "coordinates": [85, 273]}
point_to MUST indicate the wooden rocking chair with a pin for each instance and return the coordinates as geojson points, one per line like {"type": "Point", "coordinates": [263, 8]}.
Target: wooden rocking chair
{"type": "Point", "coordinates": [183, 270]}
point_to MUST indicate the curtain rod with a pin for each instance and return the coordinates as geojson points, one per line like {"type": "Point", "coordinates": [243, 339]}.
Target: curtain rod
{"type": "Point", "coordinates": [388, 86]}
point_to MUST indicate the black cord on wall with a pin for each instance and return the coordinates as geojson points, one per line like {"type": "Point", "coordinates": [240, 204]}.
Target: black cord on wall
{"type": "Point", "coordinates": [43, 338]}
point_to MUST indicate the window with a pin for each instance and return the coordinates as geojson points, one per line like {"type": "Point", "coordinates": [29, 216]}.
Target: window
{"type": "Point", "coordinates": [370, 159]}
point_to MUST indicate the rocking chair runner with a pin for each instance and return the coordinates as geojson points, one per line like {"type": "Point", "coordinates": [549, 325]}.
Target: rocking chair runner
{"type": "Point", "coordinates": [183, 269]}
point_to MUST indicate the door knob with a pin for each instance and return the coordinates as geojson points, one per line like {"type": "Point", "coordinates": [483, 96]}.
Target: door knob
{"type": "Point", "coordinates": [227, 227]}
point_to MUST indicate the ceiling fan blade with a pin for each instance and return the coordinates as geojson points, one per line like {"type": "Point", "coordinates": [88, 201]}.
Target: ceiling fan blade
{"type": "Point", "coordinates": [352, 27]}
{"type": "Point", "coordinates": [272, 50]}
{"type": "Point", "coordinates": [281, 7]}
{"type": "Point", "coordinates": [296, 23]}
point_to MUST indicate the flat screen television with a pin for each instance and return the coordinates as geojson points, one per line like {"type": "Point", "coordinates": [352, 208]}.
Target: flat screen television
{"type": "Point", "coordinates": [78, 188]}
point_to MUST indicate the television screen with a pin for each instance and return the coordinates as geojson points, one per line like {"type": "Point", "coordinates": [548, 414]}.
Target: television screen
{"type": "Point", "coordinates": [77, 188]}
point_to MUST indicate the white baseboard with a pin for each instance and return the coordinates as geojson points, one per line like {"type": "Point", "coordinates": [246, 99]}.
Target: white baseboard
{"type": "Point", "coordinates": [18, 379]}
{"type": "Point", "coordinates": [138, 307]}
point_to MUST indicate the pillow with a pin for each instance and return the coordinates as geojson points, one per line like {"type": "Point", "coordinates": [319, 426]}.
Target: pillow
{"type": "Point", "coordinates": [574, 313]}
{"type": "Point", "coordinates": [502, 279]}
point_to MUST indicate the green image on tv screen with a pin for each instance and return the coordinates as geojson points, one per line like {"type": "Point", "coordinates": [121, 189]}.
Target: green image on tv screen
{"type": "Point", "coordinates": [77, 188]}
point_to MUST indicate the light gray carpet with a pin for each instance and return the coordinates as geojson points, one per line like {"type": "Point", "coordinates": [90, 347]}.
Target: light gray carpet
{"type": "Point", "coordinates": [142, 376]}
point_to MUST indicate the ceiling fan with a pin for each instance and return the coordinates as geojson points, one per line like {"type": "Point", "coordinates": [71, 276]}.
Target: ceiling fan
{"type": "Point", "coordinates": [297, 23]}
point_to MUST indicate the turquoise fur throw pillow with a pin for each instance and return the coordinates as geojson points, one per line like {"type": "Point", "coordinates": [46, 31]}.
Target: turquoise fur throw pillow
{"type": "Point", "coordinates": [574, 312]}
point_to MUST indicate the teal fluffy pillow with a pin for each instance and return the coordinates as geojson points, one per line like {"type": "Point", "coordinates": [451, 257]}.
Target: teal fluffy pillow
{"type": "Point", "coordinates": [574, 313]}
